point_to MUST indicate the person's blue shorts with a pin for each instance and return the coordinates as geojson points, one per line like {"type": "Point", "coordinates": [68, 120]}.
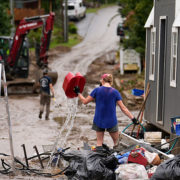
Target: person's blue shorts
{"type": "Point", "coordinates": [113, 129]}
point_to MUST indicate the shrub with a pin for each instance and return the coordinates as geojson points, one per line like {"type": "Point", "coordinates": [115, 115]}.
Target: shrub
{"type": "Point", "coordinates": [72, 28]}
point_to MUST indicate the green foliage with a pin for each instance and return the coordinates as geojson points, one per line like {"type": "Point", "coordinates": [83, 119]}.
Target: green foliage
{"type": "Point", "coordinates": [72, 28]}
{"type": "Point", "coordinates": [136, 13]}
{"type": "Point", "coordinates": [34, 37]}
{"type": "Point", "coordinates": [57, 36]}
{"type": "Point", "coordinates": [74, 39]}
{"type": "Point", "coordinates": [5, 19]}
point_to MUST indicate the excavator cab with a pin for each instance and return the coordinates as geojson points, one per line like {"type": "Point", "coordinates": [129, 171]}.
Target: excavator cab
{"type": "Point", "coordinates": [22, 67]}
{"type": "Point", "coordinates": [4, 46]}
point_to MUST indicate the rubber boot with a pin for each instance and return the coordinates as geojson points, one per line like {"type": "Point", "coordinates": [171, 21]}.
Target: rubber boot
{"type": "Point", "coordinates": [40, 115]}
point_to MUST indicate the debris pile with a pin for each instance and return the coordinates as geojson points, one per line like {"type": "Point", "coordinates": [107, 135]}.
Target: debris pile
{"type": "Point", "coordinates": [138, 161]}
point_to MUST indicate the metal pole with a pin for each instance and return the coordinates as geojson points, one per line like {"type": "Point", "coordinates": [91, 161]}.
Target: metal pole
{"type": "Point", "coordinates": [65, 22]}
{"type": "Point", "coordinates": [0, 77]}
{"type": "Point", "coordinates": [37, 152]}
{"type": "Point", "coordinates": [9, 119]}
{"type": "Point", "coordinates": [25, 155]}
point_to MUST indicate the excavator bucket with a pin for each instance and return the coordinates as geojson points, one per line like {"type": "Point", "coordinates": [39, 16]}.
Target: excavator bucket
{"type": "Point", "coordinates": [53, 75]}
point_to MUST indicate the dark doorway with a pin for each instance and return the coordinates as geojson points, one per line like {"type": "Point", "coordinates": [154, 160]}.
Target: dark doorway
{"type": "Point", "coordinates": [162, 57]}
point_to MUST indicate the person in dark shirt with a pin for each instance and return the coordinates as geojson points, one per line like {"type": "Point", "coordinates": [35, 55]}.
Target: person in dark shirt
{"type": "Point", "coordinates": [106, 98]}
{"type": "Point", "coordinates": [45, 95]}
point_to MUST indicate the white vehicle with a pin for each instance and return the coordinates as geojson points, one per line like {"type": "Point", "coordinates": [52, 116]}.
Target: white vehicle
{"type": "Point", "coordinates": [76, 9]}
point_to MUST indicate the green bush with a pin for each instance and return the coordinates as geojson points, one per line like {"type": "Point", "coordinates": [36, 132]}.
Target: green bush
{"type": "Point", "coordinates": [34, 37]}
{"type": "Point", "coordinates": [72, 28]}
{"type": "Point", "coordinates": [57, 35]}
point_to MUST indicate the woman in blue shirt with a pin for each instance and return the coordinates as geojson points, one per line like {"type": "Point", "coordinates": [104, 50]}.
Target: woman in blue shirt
{"type": "Point", "coordinates": [106, 98]}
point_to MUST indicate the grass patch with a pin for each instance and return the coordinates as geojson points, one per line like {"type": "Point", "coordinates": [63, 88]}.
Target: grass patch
{"type": "Point", "coordinates": [94, 10]}
{"type": "Point", "coordinates": [74, 39]}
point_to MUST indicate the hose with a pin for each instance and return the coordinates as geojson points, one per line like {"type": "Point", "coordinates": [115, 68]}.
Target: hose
{"type": "Point", "coordinates": [133, 124]}
{"type": "Point", "coordinates": [175, 141]}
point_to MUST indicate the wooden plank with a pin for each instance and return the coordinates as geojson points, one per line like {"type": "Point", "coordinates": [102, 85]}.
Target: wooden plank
{"type": "Point", "coordinates": [152, 135]}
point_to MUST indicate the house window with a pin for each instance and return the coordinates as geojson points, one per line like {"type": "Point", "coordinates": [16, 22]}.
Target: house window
{"type": "Point", "coordinates": [152, 54]}
{"type": "Point", "coordinates": [174, 44]}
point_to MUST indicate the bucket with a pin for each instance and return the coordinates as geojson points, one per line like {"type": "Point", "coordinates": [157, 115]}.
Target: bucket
{"type": "Point", "coordinates": [70, 81]}
{"type": "Point", "coordinates": [137, 92]}
{"type": "Point", "coordinates": [175, 125]}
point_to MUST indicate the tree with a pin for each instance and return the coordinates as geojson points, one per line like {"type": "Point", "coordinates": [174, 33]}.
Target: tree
{"type": "Point", "coordinates": [5, 18]}
{"type": "Point", "coordinates": [136, 13]}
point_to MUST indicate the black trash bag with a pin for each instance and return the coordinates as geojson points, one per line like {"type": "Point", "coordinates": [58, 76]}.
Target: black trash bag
{"type": "Point", "coordinates": [89, 165]}
{"type": "Point", "coordinates": [168, 170]}
{"type": "Point", "coordinates": [110, 162]}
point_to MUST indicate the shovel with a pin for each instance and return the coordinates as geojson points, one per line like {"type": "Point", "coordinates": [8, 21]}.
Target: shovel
{"type": "Point", "coordinates": [142, 107]}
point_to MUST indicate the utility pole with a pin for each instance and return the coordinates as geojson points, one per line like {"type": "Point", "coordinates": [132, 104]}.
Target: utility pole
{"type": "Point", "coordinates": [50, 6]}
{"type": "Point", "coordinates": [12, 14]}
{"type": "Point", "coordinates": [65, 22]}
{"type": "Point", "coordinates": [39, 5]}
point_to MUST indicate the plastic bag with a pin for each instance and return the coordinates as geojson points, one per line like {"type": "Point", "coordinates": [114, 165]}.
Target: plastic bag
{"type": "Point", "coordinates": [152, 158]}
{"type": "Point", "coordinates": [131, 171]}
{"type": "Point", "coordinates": [169, 170]}
{"type": "Point", "coordinates": [89, 165]}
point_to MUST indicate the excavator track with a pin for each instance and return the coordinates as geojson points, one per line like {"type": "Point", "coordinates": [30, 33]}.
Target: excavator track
{"type": "Point", "coordinates": [21, 86]}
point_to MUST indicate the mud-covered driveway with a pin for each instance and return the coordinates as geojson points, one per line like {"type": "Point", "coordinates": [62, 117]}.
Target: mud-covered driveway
{"type": "Point", "coordinates": [27, 128]}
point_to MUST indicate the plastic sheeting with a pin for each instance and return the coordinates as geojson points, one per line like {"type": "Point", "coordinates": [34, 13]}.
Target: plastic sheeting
{"type": "Point", "coordinates": [131, 172]}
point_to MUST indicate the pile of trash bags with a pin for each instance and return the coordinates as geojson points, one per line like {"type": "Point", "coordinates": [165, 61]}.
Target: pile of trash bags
{"type": "Point", "coordinates": [169, 170]}
{"type": "Point", "coordinates": [90, 165]}
{"type": "Point", "coordinates": [136, 162]}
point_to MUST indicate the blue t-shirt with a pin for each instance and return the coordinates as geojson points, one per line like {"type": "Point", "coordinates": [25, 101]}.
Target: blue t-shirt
{"type": "Point", "coordinates": [106, 99]}
{"type": "Point", "coordinates": [44, 83]}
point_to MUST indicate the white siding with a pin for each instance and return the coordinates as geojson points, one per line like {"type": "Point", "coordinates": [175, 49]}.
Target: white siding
{"type": "Point", "coordinates": [150, 20]}
{"type": "Point", "coordinates": [177, 8]}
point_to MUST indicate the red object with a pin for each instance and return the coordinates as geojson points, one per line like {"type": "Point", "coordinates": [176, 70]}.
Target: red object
{"type": "Point", "coordinates": [25, 25]}
{"type": "Point", "coordinates": [136, 156]}
{"type": "Point", "coordinates": [70, 81]}
{"type": "Point", "coordinates": [150, 175]}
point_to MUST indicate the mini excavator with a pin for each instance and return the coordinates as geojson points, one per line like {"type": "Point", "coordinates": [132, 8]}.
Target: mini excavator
{"type": "Point", "coordinates": [14, 51]}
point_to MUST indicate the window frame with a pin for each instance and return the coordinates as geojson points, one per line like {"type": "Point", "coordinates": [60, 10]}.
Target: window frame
{"type": "Point", "coordinates": [173, 81]}
{"type": "Point", "coordinates": [152, 52]}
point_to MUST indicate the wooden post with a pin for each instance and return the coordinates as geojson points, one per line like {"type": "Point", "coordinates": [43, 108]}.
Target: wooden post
{"type": "Point", "coordinates": [39, 4]}
{"type": "Point", "coordinates": [50, 6]}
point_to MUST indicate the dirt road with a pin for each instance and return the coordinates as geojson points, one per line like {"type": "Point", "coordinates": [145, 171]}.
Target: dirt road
{"type": "Point", "coordinates": [99, 38]}
{"type": "Point", "coordinates": [27, 128]}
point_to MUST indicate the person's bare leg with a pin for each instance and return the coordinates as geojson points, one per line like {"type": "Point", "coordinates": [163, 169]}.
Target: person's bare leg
{"type": "Point", "coordinates": [100, 137]}
{"type": "Point", "coordinates": [115, 137]}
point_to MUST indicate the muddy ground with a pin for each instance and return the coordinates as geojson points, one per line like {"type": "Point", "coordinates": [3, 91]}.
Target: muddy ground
{"type": "Point", "coordinates": [88, 58]}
